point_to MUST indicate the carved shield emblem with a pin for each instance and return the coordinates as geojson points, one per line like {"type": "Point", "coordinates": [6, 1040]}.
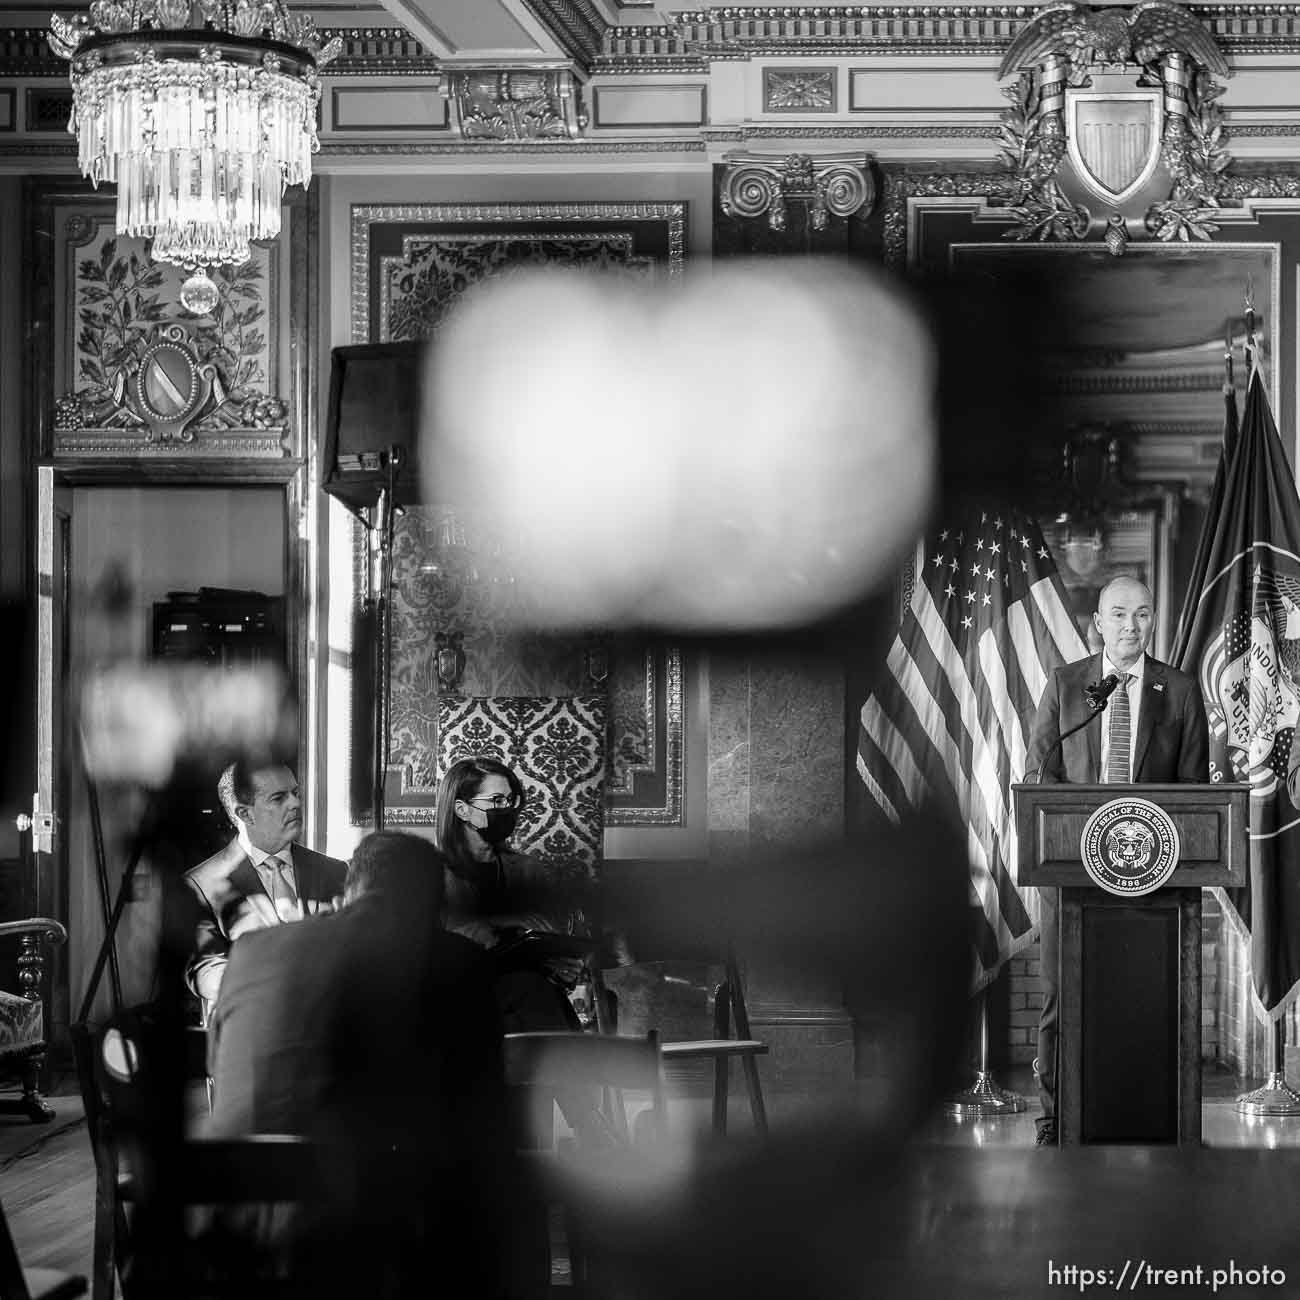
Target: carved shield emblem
{"type": "Point", "coordinates": [1114, 139]}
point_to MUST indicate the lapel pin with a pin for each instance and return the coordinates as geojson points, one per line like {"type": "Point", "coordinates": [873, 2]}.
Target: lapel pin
{"type": "Point", "coordinates": [1158, 686]}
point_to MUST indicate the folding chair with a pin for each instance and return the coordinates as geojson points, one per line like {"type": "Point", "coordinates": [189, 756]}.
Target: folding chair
{"type": "Point", "coordinates": [671, 998]}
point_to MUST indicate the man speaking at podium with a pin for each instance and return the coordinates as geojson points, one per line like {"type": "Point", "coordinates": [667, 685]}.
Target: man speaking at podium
{"type": "Point", "coordinates": [1145, 723]}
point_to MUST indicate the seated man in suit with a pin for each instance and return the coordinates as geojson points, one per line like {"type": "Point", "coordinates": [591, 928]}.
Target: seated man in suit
{"type": "Point", "coordinates": [263, 877]}
{"type": "Point", "coordinates": [375, 1026]}
{"type": "Point", "coordinates": [1153, 729]}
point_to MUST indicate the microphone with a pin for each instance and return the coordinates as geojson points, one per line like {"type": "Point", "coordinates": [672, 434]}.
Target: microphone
{"type": "Point", "coordinates": [1098, 694]}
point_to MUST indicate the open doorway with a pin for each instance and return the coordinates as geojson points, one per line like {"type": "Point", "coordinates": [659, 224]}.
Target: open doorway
{"type": "Point", "coordinates": [158, 570]}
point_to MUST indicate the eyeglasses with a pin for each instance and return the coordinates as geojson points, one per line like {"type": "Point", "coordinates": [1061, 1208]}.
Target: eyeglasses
{"type": "Point", "coordinates": [495, 800]}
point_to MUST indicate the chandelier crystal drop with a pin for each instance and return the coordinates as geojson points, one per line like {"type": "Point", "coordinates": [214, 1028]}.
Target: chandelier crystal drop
{"type": "Point", "coordinates": [200, 112]}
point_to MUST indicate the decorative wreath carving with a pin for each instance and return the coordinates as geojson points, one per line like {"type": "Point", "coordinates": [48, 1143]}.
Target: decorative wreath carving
{"type": "Point", "coordinates": [1056, 54]}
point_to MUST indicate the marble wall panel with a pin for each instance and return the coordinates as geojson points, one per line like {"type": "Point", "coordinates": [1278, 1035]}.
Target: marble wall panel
{"type": "Point", "coordinates": [729, 756]}
{"type": "Point", "coordinates": [796, 734]}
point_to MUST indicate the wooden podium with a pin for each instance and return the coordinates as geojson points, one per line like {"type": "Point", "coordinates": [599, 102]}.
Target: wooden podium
{"type": "Point", "coordinates": [1129, 1066]}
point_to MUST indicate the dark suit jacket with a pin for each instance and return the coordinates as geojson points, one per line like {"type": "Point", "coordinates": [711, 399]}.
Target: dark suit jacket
{"type": "Point", "coordinates": [1173, 739]}
{"type": "Point", "coordinates": [232, 901]}
{"type": "Point", "coordinates": [351, 1018]}
{"type": "Point", "coordinates": [372, 1028]}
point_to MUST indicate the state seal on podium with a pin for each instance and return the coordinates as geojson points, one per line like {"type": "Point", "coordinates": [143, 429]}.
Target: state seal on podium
{"type": "Point", "coordinates": [1129, 847]}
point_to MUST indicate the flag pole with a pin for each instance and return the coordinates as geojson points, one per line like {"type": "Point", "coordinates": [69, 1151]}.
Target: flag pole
{"type": "Point", "coordinates": [1276, 1099]}
{"type": "Point", "coordinates": [1249, 304]}
{"type": "Point", "coordinates": [984, 1098]}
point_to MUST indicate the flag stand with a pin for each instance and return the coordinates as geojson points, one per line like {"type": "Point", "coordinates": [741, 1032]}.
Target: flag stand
{"type": "Point", "coordinates": [984, 1097]}
{"type": "Point", "coordinates": [1276, 1099]}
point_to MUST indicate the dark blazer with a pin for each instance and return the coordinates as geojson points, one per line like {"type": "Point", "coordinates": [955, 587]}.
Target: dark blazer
{"type": "Point", "coordinates": [1173, 739]}
{"type": "Point", "coordinates": [350, 1012]}
{"type": "Point", "coordinates": [232, 901]}
{"type": "Point", "coordinates": [371, 1028]}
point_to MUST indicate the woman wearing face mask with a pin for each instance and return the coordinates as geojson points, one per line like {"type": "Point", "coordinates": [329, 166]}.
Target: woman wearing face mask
{"type": "Point", "coordinates": [494, 893]}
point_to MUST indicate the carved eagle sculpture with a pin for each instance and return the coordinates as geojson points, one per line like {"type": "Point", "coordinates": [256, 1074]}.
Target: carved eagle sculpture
{"type": "Point", "coordinates": [1139, 35]}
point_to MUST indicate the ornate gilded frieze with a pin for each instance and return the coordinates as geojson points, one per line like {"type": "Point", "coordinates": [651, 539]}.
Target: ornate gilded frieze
{"type": "Point", "coordinates": [515, 105]}
{"type": "Point", "coordinates": [831, 185]}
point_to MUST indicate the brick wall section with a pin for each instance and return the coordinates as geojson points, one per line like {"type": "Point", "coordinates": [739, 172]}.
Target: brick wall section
{"type": "Point", "coordinates": [1024, 1001]}
{"type": "Point", "coordinates": [1220, 996]}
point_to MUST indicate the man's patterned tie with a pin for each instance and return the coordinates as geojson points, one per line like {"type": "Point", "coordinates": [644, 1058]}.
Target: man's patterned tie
{"type": "Point", "coordinates": [1121, 730]}
{"type": "Point", "coordinates": [284, 897]}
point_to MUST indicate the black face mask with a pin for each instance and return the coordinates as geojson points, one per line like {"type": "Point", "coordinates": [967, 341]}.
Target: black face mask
{"type": "Point", "coordinates": [501, 823]}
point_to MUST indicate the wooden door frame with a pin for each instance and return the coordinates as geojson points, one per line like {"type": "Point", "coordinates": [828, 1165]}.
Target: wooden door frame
{"type": "Point", "coordinates": [294, 468]}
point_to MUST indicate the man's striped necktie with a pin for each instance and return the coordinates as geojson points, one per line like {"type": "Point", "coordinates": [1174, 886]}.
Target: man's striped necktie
{"type": "Point", "coordinates": [284, 898]}
{"type": "Point", "coordinates": [1121, 732]}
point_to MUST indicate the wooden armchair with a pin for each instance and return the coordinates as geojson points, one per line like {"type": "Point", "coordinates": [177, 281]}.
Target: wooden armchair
{"type": "Point", "coordinates": [22, 1017]}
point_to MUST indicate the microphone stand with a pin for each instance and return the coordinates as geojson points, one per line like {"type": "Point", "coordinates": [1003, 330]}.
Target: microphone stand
{"type": "Point", "coordinates": [381, 579]}
{"type": "Point", "coordinates": [1097, 711]}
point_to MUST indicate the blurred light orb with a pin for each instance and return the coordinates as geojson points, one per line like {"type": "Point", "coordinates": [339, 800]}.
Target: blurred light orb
{"type": "Point", "coordinates": [743, 447]}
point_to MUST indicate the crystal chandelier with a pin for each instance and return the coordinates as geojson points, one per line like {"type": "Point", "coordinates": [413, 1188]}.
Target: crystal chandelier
{"type": "Point", "coordinates": [201, 112]}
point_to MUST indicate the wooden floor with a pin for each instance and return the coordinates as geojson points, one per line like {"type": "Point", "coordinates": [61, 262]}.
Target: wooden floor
{"type": "Point", "coordinates": [47, 1187]}
{"type": "Point", "coordinates": [47, 1182]}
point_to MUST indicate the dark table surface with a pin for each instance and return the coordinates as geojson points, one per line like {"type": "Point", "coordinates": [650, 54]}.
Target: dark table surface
{"type": "Point", "coordinates": [835, 1219]}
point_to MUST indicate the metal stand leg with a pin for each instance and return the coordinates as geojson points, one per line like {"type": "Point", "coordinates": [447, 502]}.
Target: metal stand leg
{"type": "Point", "coordinates": [984, 1097]}
{"type": "Point", "coordinates": [1276, 1099]}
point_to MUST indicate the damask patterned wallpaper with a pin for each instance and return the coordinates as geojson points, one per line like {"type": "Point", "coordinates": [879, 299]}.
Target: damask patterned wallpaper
{"type": "Point", "coordinates": [411, 265]}
{"type": "Point", "coordinates": [505, 653]}
{"type": "Point", "coordinates": [508, 652]}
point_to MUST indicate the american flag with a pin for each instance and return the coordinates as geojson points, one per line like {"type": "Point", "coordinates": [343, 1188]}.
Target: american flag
{"type": "Point", "coordinates": [986, 625]}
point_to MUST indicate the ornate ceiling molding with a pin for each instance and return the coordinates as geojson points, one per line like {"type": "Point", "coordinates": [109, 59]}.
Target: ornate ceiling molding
{"type": "Point", "coordinates": [797, 131]}
{"type": "Point", "coordinates": [576, 25]}
{"type": "Point", "coordinates": [516, 148]}
{"type": "Point", "coordinates": [744, 33]}
{"type": "Point", "coordinates": [696, 37]}
{"type": "Point", "coordinates": [367, 51]}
